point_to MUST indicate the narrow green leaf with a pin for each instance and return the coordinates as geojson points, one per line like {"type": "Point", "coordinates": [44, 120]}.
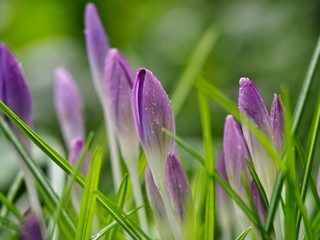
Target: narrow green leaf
{"type": "Point", "coordinates": [209, 165]}
{"type": "Point", "coordinates": [256, 179]}
{"type": "Point", "coordinates": [121, 197]}
{"type": "Point", "coordinates": [305, 89]}
{"type": "Point", "coordinates": [89, 196]}
{"type": "Point", "coordinates": [193, 68]}
{"type": "Point", "coordinates": [5, 201]}
{"type": "Point", "coordinates": [108, 205]}
{"type": "Point", "coordinates": [9, 224]}
{"type": "Point", "coordinates": [311, 146]}
{"type": "Point", "coordinates": [244, 234]}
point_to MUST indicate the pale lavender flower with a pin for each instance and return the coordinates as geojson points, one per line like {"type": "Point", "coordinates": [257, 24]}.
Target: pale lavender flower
{"type": "Point", "coordinates": [118, 84]}
{"type": "Point", "coordinates": [177, 186]}
{"type": "Point", "coordinates": [77, 145]}
{"type": "Point", "coordinates": [68, 105]}
{"type": "Point", "coordinates": [31, 228]}
{"type": "Point", "coordinates": [97, 45]}
{"type": "Point", "coordinates": [235, 153]}
{"type": "Point", "coordinates": [252, 106]}
{"type": "Point", "coordinates": [258, 202]}
{"type": "Point", "coordinates": [14, 91]}
{"type": "Point", "coordinates": [276, 120]}
{"type": "Point", "coordinates": [153, 111]}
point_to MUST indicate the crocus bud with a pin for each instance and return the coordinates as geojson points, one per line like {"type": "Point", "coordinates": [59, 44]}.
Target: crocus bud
{"type": "Point", "coordinates": [118, 84]}
{"type": "Point", "coordinates": [258, 201]}
{"type": "Point", "coordinates": [277, 121]}
{"type": "Point", "coordinates": [77, 145]}
{"type": "Point", "coordinates": [68, 105]}
{"type": "Point", "coordinates": [251, 105]}
{"type": "Point", "coordinates": [152, 112]}
{"type": "Point", "coordinates": [157, 205]}
{"type": "Point", "coordinates": [31, 228]}
{"type": "Point", "coordinates": [14, 91]}
{"type": "Point", "coordinates": [235, 153]}
{"type": "Point", "coordinates": [97, 45]}
{"type": "Point", "coordinates": [177, 186]}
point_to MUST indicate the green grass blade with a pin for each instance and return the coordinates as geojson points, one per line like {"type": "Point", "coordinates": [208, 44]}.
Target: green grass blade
{"type": "Point", "coordinates": [256, 179]}
{"type": "Point", "coordinates": [88, 201]}
{"type": "Point", "coordinates": [121, 197]}
{"type": "Point", "coordinates": [108, 205]}
{"type": "Point", "coordinates": [301, 103]}
{"type": "Point", "coordinates": [244, 234]}
{"type": "Point", "coordinates": [311, 146]}
{"type": "Point", "coordinates": [209, 165]}
{"type": "Point", "coordinates": [45, 188]}
{"type": "Point", "coordinates": [193, 68]}
{"type": "Point", "coordinates": [10, 206]}
{"type": "Point", "coordinates": [9, 224]}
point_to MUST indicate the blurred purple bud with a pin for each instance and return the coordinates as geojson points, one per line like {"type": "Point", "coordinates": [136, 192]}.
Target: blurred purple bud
{"type": "Point", "coordinates": [177, 186]}
{"type": "Point", "coordinates": [14, 91]}
{"type": "Point", "coordinates": [258, 201]}
{"type": "Point", "coordinates": [31, 228]}
{"type": "Point", "coordinates": [68, 105]}
{"type": "Point", "coordinates": [235, 153]}
{"type": "Point", "coordinates": [152, 112]}
{"type": "Point", "coordinates": [97, 44]}
{"type": "Point", "coordinates": [276, 120]}
{"type": "Point", "coordinates": [118, 84]}
{"type": "Point", "coordinates": [252, 106]}
{"type": "Point", "coordinates": [221, 166]}
{"type": "Point", "coordinates": [77, 144]}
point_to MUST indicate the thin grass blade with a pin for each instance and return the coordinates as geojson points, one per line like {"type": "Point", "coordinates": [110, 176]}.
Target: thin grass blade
{"type": "Point", "coordinates": [244, 234]}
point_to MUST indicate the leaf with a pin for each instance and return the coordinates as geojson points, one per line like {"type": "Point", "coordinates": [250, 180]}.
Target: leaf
{"type": "Point", "coordinates": [10, 206]}
{"type": "Point", "coordinates": [89, 196]}
{"type": "Point", "coordinates": [244, 234]}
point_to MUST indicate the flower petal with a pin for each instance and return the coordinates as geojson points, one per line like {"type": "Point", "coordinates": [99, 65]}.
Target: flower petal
{"type": "Point", "coordinates": [68, 105]}
{"type": "Point", "coordinates": [276, 120]}
{"type": "Point", "coordinates": [258, 201]}
{"type": "Point", "coordinates": [31, 228]}
{"type": "Point", "coordinates": [118, 84]}
{"type": "Point", "coordinates": [152, 112]}
{"type": "Point", "coordinates": [97, 44]}
{"type": "Point", "coordinates": [77, 145]}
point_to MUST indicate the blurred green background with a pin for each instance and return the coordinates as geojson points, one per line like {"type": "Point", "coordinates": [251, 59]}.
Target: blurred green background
{"type": "Point", "coordinates": [270, 42]}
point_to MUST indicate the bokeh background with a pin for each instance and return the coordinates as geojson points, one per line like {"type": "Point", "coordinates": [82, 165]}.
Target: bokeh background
{"type": "Point", "coordinates": [270, 42]}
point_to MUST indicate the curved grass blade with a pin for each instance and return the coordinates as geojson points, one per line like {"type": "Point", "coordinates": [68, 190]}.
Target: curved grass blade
{"type": "Point", "coordinates": [88, 201]}
{"type": "Point", "coordinates": [244, 234]}
{"type": "Point", "coordinates": [209, 166]}
{"type": "Point", "coordinates": [193, 68]}
{"type": "Point", "coordinates": [10, 206]}
{"type": "Point", "coordinates": [108, 205]}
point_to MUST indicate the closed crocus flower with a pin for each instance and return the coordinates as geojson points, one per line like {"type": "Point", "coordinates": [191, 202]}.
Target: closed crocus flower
{"type": "Point", "coordinates": [14, 91]}
{"type": "Point", "coordinates": [252, 106]}
{"type": "Point", "coordinates": [235, 153]}
{"type": "Point", "coordinates": [77, 145]}
{"type": "Point", "coordinates": [68, 105]}
{"type": "Point", "coordinates": [277, 123]}
{"type": "Point", "coordinates": [153, 111]}
{"type": "Point", "coordinates": [97, 45]}
{"type": "Point", "coordinates": [31, 228]}
{"type": "Point", "coordinates": [118, 84]}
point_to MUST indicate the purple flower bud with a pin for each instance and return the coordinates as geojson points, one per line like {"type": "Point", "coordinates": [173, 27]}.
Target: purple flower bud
{"type": "Point", "coordinates": [177, 186]}
{"type": "Point", "coordinates": [221, 166]}
{"type": "Point", "coordinates": [31, 228]}
{"type": "Point", "coordinates": [235, 153]}
{"type": "Point", "coordinates": [252, 106]}
{"type": "Point", "coordinates": [276, 120]}
{"type": "Point", "coordinates": [118, 84]}
{"type": "Point", "coordinates": [68, 105]}
{"type": "Point", "coordinates": [258, 201]}
{"type": "Point", "coordinates": [77, 144]}
{"type": "Point", "coordinates": [14, 91]}
{"type": "Point", "coordinates": [97, 45]}
{"type": "Point", "coordinates": [153, 111]}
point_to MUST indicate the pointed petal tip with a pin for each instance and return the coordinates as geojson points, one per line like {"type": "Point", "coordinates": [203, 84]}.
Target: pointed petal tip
{"type": "Point", "coordinates": [244, 81]}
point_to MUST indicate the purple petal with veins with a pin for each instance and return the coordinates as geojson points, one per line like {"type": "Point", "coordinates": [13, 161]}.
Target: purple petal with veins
{"type": "Point", "coordinates": [118, 84]}
{"type": "Point", "coordinates": [152, 112]}
{"type": "Point", "coordinates": [77, 145]}
{"type": "Point", "coordinates": [276, 120]}
{"type": "Point", "coordinates": [235, 153]}
{"type": "Point", "coordinates": [177, 186]}
{"type": "Point", "coordinates": [97, 44]}
{"type": "Point", "coordinates": [68, 105]}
